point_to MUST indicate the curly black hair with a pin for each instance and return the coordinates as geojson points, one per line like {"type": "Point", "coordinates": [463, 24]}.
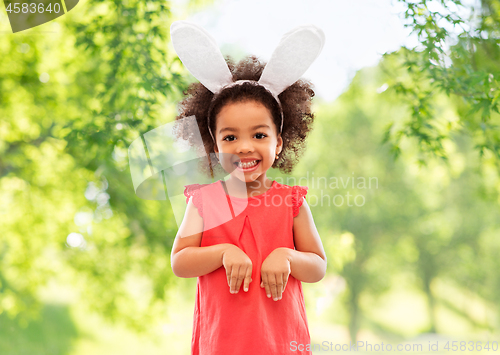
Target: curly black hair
{"type": "Point", "coordinates": [295, 104]}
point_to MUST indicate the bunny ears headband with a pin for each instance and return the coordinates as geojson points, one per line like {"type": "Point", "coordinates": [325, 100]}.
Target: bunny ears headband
{"type": "Point", "coordinates": [200, 54]}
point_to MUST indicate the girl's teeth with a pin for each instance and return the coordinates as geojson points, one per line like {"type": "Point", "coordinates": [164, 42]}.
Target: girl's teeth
{"type": "Point", "coordinates": [247, 164]}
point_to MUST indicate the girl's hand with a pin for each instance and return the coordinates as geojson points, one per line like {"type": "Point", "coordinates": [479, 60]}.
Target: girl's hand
{"type": "Point", "coordinates": [274, 272]}
{"type": "Point", "coordinates": [238, 268]}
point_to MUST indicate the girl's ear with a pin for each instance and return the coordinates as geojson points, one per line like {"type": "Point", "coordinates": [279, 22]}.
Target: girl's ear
{"type": "Point", "coordinates": [216, 150]}
{"type": "Point", "coordinates": [279, 145]}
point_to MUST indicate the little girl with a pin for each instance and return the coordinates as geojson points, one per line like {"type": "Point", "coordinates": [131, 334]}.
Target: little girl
{"type": "Point", "coordinates": [249, 265]}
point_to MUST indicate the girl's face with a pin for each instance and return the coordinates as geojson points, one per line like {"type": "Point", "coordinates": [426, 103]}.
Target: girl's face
{"type": "Point", "coordinates": [246, 136]}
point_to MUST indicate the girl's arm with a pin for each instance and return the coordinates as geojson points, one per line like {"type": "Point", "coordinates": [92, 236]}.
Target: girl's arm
{"type": "Point", "coordinates": [308, 260]}
{"type": "Point", "coordinates": [188, 259]}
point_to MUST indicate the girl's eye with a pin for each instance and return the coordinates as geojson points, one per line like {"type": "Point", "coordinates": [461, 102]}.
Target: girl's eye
{"type": "Point", "coordinates": [231, 137]}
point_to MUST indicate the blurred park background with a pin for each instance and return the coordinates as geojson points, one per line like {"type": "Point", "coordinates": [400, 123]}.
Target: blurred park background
{"type": "Point", "coordinates": [414, 252]}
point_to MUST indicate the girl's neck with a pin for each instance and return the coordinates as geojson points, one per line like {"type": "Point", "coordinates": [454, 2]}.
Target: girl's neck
{"type": "Point", "coordinates": [253, 188]}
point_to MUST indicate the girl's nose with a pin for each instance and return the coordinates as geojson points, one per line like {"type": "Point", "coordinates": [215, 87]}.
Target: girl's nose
{"type": "Point", "coordinates": [245, 146]}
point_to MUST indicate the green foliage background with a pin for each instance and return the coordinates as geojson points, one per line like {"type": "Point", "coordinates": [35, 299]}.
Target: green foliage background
{"type": "Point", "coordinates": [422, 124]}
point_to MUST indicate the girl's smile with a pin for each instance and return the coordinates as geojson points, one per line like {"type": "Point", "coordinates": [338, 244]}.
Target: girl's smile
{"type": "Point", "coordinates": [247, 166]}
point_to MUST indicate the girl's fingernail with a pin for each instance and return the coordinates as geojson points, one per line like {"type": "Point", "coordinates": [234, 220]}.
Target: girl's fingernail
{"type": "Point", "coordinates": [268, 296]}
{"type": "Point", "coordinates": [246, 289]}
{"type": "Point", "coordinates": [275, 298]}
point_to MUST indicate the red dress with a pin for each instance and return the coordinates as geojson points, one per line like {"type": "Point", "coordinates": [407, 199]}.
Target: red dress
{"type": "Point", "coordinates": [248, 322]}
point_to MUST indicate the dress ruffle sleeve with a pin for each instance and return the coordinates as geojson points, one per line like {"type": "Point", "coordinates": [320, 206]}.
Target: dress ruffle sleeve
{"type": "Point", "coordinates": [298, 193]}
{"type": "Point", "coordinates": [194, 191]}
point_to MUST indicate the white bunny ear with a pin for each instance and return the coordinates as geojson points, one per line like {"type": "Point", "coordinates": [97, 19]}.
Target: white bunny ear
{"type": "Point", "coordinates": [295, 53]}
{"type": "Point", "coordinates": [199, 52]}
